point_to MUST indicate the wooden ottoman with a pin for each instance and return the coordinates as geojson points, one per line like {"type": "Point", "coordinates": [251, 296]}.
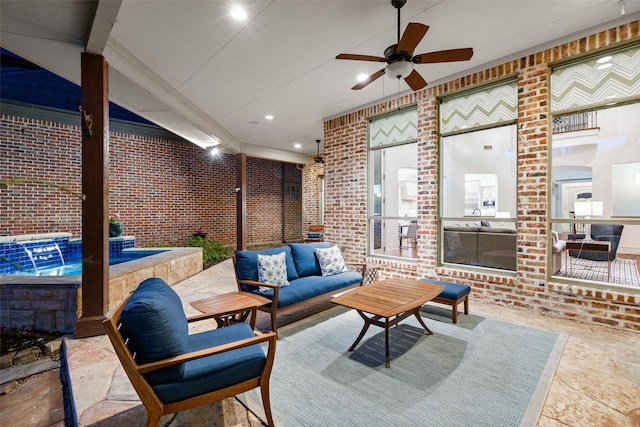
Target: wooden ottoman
{"type": "Point", "coordinates": [453, 294]}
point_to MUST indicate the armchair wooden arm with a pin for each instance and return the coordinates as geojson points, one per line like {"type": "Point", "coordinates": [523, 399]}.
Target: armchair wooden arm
{"type": "Point", "coordinates": [165, 363]}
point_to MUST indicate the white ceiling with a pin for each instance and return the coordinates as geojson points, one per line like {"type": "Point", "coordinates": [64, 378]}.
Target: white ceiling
{"type": "Point", "coordinates": [192, 69]}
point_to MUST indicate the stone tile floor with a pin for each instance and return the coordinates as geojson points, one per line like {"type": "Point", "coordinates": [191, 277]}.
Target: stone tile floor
{"type": "Point", "coordinates": [597, 382]}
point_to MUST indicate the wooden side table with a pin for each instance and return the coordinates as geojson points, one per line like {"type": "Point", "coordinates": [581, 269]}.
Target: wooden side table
{"type": "Point", "coordinates": [231, 308]}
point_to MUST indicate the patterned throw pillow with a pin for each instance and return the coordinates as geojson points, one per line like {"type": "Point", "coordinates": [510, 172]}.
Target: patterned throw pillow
{"type": "Point", "coordinates": [272, 269]}
{"type": "Point", "coordinates": [331, 261]}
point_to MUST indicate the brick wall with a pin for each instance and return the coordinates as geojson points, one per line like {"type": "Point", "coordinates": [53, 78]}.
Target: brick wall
{"type": "Point", "coordinates": [310, 194]}
{"type": "Point", "coordinates": [268, 210]}
{"type": "Point", "coordinates": [346, 197]}
{"type": "Point", "coordinates": [163, 190]}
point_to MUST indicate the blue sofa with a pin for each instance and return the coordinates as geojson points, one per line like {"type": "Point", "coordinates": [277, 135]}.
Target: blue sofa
{"type": "Point", "coordinates": [303, 273]}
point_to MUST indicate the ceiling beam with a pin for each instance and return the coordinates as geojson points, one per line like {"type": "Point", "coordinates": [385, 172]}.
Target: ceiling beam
{"type": "Point", "coordinates": [103, 21]}
{"type": "Point", "coordinates": [190, 118]}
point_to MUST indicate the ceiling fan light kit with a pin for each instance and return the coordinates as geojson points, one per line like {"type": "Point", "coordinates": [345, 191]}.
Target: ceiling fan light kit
{"type": "Point", "coordinates": [400, 57]}
{"type": "Point", "coordinates": [399, 69]}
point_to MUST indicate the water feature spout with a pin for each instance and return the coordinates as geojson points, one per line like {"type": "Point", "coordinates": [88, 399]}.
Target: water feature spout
{"type": "Point", "coordinates": [30, 256]}
{"type": "Point", "coordinates": [43, 253]}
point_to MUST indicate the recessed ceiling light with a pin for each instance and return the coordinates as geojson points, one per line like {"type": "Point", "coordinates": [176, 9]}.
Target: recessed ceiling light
{"type": "Point", "coordinates": [239, 13]}
{"type": "Point", "coordinates": [268, 117]}
{"type": "Point", "coordinates": [297, 145]}
{"type": "Point", "coordinates": [362, 77]}
{"type": "Point", "coordinates": [604, 66]}
{"type": "Point", "coordinates": [604, 59]}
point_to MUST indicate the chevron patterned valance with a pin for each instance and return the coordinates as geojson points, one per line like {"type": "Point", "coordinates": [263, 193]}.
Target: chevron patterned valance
{"type": "Point", "coordinates": [487, 106]}
{"type": "Point", "coordinates": [596, 81]}
{"type": "Point", "coordinates": [397, 128]}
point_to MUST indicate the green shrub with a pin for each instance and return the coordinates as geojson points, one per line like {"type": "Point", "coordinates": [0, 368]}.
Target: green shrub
{"type": "Point", "coordinates": [212, 250]}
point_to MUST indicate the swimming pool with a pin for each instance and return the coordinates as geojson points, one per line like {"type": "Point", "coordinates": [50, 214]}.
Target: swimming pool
{"type": "Point", "coordinates": [57, 254]}
{"type": "Point", "coordinates": [74, 268]}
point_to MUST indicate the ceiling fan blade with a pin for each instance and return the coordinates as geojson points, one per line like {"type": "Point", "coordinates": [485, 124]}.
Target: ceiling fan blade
{"type": "Point", "coordinates": [415, 80]}
{"type": "Point", "coordinates": [355, 57]}
{"type": "Point", "coordinates": [411, 37]}
{"type": "Point", "coordinates": [370, 79]}
{"type": "Point", "coordinates": [450, 55]}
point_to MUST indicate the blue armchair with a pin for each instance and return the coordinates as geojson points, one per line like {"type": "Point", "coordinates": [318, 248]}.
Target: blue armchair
{"type": "Point", "coordinates": [173, 371]}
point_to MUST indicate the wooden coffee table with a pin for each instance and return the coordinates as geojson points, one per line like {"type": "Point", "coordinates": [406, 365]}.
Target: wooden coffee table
{"type": "Point", "coordinates": [231, 307]}
{"type": "Point", "coordinates": [398, 298]}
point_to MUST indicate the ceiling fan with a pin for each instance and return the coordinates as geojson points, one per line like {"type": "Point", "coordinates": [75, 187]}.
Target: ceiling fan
{"type": "Point", "coordinates": [318, 158]}
{"type": "Point", "coordinates": [400, 57]}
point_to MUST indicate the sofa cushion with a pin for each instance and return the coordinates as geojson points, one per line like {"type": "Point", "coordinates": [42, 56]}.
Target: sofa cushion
{"type": "Point", "coordinates": [468, 229]}
{"type": "Point", "coordinates": [311, 286]}
{"type": "Point", "coordinates": [247, 263]}
{"type": "Point", "coordinates": [452, 291]}
{"type": "Point", "coordinates": [304, 258]}
{"type": "Point", "coordinates": [154, 321]}
{"type": "Point", "coordinates": [497, 230]}
{"type": "Point", "coordinates": [215, 372]}
{"type": "Point", "coordinates": [272, 269]}
{"type": "Point", "coordinates": [331, 261]}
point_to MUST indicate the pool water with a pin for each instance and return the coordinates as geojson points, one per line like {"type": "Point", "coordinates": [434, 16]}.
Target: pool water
{"type": "Point", "coordinates": [75, 268]}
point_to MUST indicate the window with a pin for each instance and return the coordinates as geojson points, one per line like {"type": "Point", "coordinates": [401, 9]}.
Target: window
{"type": "Point", "coordinates": [393, 185]}
{"type": "Point", "coordinates": [292, 191]}
{"type": "Point", "coordinates": [478, 178]}
{"type": "Point", "coordinates": [595, 201]}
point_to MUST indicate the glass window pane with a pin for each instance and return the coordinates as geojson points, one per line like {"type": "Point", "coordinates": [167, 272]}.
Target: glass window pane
{"type": "Point", "coordinates": [595, 201]}
{"type": "Point", "coordinates": [393, 185]}
{"type": "Point", "coordinates": [478, 202]}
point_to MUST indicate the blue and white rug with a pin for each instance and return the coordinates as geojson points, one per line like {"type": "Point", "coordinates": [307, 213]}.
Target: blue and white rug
{"type": "Point", "coordinates": [480, 372]}
{"type": "Point", "coordinates": [623, 271]}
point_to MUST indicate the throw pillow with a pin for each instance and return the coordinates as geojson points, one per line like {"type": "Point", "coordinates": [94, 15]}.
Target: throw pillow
{"type": "Point", "coordinates": [272, 269]}
{"type": "Point", "coordinates": [331, 261]}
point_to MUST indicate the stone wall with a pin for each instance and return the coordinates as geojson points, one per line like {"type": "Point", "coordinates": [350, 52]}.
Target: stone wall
{"type": "Point", "coordinates": [50, 307]}
{"type": "Point", "coordinates": [346, 196]}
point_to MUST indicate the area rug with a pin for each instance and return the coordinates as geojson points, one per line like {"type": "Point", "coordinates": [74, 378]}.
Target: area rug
{"type": "Point", "coordinates": [623, 271]}
{"type": "Point", "coordinates": [480, 372]}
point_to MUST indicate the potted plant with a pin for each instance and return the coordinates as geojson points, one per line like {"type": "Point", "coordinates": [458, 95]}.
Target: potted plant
{"type": "Point", "coordinates": [115, 226]}
{"type": "Point", "coordinates": [200, 233]}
